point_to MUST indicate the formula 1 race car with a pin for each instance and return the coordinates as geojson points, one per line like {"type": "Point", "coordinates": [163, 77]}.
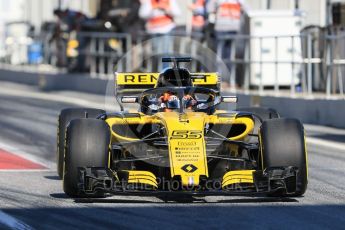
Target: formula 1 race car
{"type": "Point", "coordinates": [179, 141]}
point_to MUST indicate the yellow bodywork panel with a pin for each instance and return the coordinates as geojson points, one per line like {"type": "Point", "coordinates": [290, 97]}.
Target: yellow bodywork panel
{"type": "Point", "coordinates": [186, 142]}
{"type": "Point", "coordinates": [142, 177]}
{"type": "Point", "coordinates": [238, 177]}
{"type": "Point", "coordinates": [187, 150]}
{"type": "Point", "coordinates": [160, 119]}
{"type": "Point", "coordinates": [140, 120]}
{"type": "Point", "coordinates": [201, 79]}
{"type": "Point", "coordinates": [248, 122]}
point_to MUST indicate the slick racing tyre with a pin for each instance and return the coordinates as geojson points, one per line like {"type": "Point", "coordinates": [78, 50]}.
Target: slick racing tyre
{"type": "Point", "coordinates": [64, 119]}
{"type": "Point", "coordinates": [282, 143]}
{"type": "Point", "coordinates": [87, 145]}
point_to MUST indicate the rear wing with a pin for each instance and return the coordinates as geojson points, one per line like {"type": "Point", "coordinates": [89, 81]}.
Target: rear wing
{"type": "Point", "coordinates": [136, 83]}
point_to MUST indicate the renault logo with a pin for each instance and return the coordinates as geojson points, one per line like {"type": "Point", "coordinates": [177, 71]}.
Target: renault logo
{"type": "Point", "coordinates": [189, 168]}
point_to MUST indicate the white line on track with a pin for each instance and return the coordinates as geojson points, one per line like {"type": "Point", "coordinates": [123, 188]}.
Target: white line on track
{"type": "Point", "coordinates": [328, 144]}
{"type": "Point", "coordinates": [12, 222]}
{"type": "Point", "coordinates": [50, 97]}
{"type": "Point", "coordinates": [26, 170]}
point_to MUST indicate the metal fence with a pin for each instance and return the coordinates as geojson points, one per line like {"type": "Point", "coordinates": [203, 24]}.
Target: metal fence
{"type": "Point", "coordinates": [149, 49]}
{"type": "Point", "coordinates": [262, 62]}
{"type": "Point", "coordinates": [103, 51]}
{"type": "Point", "coordinates": [96, 53]}
{"type": "Point", "coordinates": [305, 64]}
{"type": "Point", "coordinates": [335, 61]}
{"type": "Point", "coordinates": [289, 65]}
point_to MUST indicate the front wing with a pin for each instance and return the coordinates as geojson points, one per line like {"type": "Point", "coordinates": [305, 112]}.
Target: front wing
{"type": "Point", "coordinates": [280, 180]}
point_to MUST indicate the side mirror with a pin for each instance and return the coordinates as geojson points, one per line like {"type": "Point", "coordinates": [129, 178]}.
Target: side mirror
{"type": "Point", "coordinates": [229, 99]}
{"type": "Point", "coordinates": [129, 99]}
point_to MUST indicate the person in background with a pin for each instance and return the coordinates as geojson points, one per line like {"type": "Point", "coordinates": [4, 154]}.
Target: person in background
{"type": "Point", "coordinates": [198, 9]}
{"type": "Point", "coordinates": [159, 15]}
{"type": "Point", "coordinates": [131, 22]}
{"type": "Point", "coordinates": [226, 16]}
{"type": "Point", "coordinates": [73, 20]}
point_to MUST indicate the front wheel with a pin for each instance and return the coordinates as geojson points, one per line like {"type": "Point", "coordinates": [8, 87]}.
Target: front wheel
{"type": "Point", "coordinates": [87, 145]}
{"type": "Point", "coordinates": [64, 119]}
{"type": "Point", "coordinates": [282, 143]}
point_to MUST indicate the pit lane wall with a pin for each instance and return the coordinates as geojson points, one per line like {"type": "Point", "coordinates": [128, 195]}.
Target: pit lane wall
{"type": "Point", "coordinates": [312, 111]}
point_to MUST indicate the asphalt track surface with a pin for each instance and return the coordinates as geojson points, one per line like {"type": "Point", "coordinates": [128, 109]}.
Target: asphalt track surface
{"type": "Point", "coordinates": [33, 199]}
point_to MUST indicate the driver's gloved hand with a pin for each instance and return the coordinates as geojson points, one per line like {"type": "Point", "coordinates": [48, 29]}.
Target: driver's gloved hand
{"type": "Point", "coordinates": [202, 106]}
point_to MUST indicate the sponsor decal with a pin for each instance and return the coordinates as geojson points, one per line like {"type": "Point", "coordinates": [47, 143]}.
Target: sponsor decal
{"type": "Point", "coordinates": [186, 134]}
{"type": "Point", "coordinates": [189, 168]}
{"type": "Point", "coordinates": [137, 79]}
{"type": "Point", "coordinates": [152, 78]}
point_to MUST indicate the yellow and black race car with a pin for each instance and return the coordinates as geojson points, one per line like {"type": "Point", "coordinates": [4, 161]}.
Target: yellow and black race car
{"type": "Point", "coordinates": [179, 142]}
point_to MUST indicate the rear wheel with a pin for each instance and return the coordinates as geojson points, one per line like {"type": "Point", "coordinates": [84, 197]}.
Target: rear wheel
{"type": "Point", "coordinates": [87, 145]}
{"type": "Point", "coordinates": [64, 119]}
{"type": "Point", "coordinates": [282, 143]}
{"type": "Point", "coordinates": [264, 114]}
